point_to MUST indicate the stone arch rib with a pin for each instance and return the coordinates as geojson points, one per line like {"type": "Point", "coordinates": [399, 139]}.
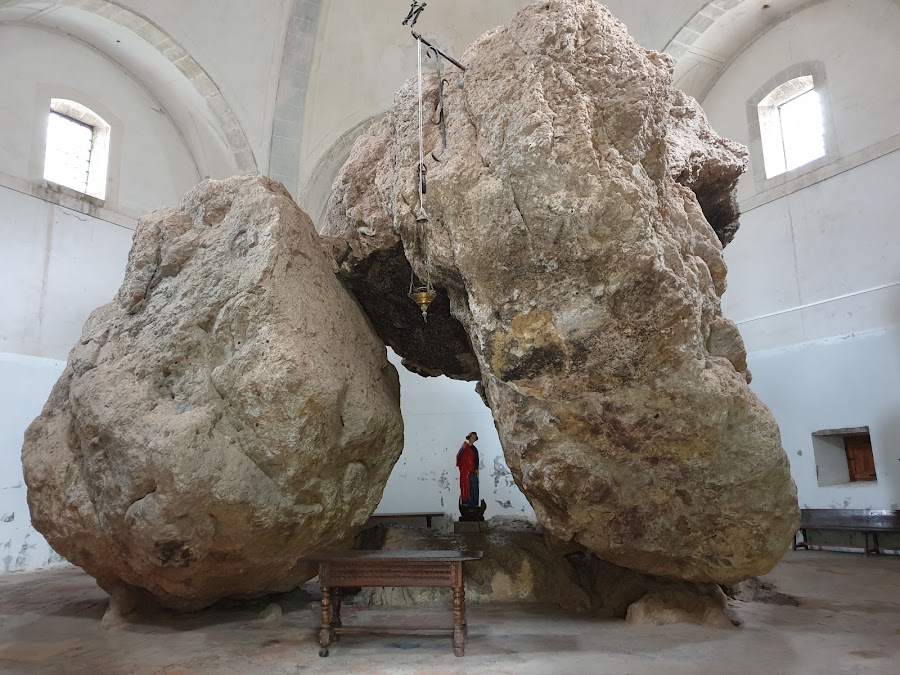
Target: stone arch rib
{"type": "Point", "coordinates": [290, 101]}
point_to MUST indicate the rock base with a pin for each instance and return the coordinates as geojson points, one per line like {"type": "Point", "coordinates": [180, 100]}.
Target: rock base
{"type": "Point", "coordinates": [522, 564]}
{"type": "Point", "coordinates": [661, 608]}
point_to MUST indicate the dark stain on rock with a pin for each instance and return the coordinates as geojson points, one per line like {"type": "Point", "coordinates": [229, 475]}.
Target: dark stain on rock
{"type": "Point", "coordinates": [684, 496]}
{"type": "Point", "coordinates": [174, 552]}
{"type": "Point", "coordinates": [534, 363]}
{"type": "Point", "coordinates": [633, 521]}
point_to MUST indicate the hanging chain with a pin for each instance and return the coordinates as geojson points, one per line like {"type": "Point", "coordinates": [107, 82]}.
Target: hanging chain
{"type": "Point", "coordinates": [422, 215]}
{"type": "Point", "coordinates": [424, 296]}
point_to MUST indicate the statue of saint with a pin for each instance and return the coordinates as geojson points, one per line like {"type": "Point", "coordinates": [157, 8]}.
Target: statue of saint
{"type": "Point", "coordinates": [467, 461]}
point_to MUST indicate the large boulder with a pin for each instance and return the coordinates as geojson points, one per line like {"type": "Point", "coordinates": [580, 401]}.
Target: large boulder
{"type": "Point", "coordinates": [230, 411]}
{"type": "Point", "coordinates": [575, 225]}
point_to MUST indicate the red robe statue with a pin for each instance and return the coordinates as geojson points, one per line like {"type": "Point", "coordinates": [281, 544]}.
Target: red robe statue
{"type": "Point", "coordinates": [467, 462]}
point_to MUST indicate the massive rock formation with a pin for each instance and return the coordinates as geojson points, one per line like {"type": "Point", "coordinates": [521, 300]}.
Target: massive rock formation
{"type": "Point", "coordinates": [576, 224]}
{"type": "Point", "coordinates": [229, 412]}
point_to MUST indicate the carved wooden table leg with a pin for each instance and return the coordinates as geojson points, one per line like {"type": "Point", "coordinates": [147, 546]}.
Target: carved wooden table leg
{"type": "Point", "coordinates": [325, 631]}
{"type": "Point", "coordinates": [335, 613]}
{"type": "Point", "coordinates": [459, 620]}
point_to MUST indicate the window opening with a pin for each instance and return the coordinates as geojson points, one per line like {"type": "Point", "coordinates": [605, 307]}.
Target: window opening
{"type": "Point", "coordinates": [791, 126]}
{"type": "Point", "coordinates": [844, 456]}
{"type": "Point", "coordinates": [69, 144]}
{"type": "Point", "coordinates": [77, 153]}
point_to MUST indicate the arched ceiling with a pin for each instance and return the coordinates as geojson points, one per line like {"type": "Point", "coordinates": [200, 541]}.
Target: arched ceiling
{"type": "Point", "coordinates": [173, 77]}
{"type": "Point", "coordinates": [304, 76]}
{"type": "Point", "coordinates": [718, 33]}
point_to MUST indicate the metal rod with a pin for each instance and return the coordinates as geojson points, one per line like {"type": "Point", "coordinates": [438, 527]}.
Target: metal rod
{"type": "Point", "coordinates": [449, 58]}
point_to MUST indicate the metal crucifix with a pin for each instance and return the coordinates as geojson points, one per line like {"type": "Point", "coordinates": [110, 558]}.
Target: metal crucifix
{"type": "Point", "coordinates": [414, 11]}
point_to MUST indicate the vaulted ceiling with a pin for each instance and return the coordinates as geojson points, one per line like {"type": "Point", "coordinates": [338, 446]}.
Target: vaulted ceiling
{"type": "Point", "coordinates": [284, 86]}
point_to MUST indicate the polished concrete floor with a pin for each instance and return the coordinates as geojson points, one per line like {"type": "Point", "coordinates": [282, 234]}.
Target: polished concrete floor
{"type": "Point", "coordinates": [848, 622]}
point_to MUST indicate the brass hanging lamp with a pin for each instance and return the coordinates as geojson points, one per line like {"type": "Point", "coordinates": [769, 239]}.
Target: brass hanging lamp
{"type": "Point", "coordinates": [423, 296]}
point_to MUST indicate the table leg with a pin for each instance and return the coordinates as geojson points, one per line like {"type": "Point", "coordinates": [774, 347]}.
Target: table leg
{"type": "Point", "coordinates": [460, 629]}
{"type": "Point", "coordinates": [335, 613]}
{"type": "Point", "coordinates": [325, 631]}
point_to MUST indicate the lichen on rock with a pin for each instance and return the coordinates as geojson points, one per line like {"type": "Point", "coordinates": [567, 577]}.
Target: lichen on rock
{"type": "Point", "coordinates": [230, 411]}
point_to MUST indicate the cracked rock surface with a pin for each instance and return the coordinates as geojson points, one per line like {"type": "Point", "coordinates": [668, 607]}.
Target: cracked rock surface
{"type": "Point", "coordinates": [230, 411]}
{"type": "Point", "coordinates": [576, 225]}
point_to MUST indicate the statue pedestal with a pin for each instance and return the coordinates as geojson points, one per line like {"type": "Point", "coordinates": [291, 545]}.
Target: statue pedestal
{"type": "Point", "coordinates": [470, 526]}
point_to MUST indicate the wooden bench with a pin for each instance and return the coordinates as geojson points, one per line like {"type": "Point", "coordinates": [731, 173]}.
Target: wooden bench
{"type": "Point", "coordinates": [379, 569]}
{"type": "Point", "coordinates": [402, 516]}
{"type": "Point", "coordinates": [868, 521]}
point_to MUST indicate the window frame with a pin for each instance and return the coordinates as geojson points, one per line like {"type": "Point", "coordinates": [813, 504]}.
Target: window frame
{"type": "Point", "coordinates": [90, 152]}
{"type": "Point", "coordinates": [834, 467]}
{"type": "Point", "coordinates": [776, 144]}
{"type": "Point", "coordinates": [101, 160]}
{"type": "Point", "coordinates": [815, 70]}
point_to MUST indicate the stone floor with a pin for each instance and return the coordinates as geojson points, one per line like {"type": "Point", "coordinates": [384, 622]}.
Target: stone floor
{"type": "Point", "coordinates": [848, 622]}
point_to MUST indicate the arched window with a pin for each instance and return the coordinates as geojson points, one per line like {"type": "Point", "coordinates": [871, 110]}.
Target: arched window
{"type": "Point", "coordinates": [77, 154]}
{"type": "Point", "coordinates": [791, 126]}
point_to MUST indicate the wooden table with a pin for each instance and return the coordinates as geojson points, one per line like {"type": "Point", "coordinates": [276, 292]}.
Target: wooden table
{"type": "Point", "coordinates": [356, 569]}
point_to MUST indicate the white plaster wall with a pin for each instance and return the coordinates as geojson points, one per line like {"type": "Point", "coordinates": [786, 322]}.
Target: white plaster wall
{"type": "Point", "coordinates": [25, 383]}
{"type": "Point", "coordinates": [154, 166]}
{"type": "Point", "coordinates": [814, 272]}
{"type": "Point", "coordinates": [838, 382]}
{"type": "Point", "coordinates": [56, 267]}
{"type": "Point", "coordinates": [438, 413]}
{"type": "Point", "coordinates": [820, 262]}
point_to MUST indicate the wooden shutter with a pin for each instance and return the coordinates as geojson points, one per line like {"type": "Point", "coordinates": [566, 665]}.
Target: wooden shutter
{"type": "Point", "coordinates": [860, 460]}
